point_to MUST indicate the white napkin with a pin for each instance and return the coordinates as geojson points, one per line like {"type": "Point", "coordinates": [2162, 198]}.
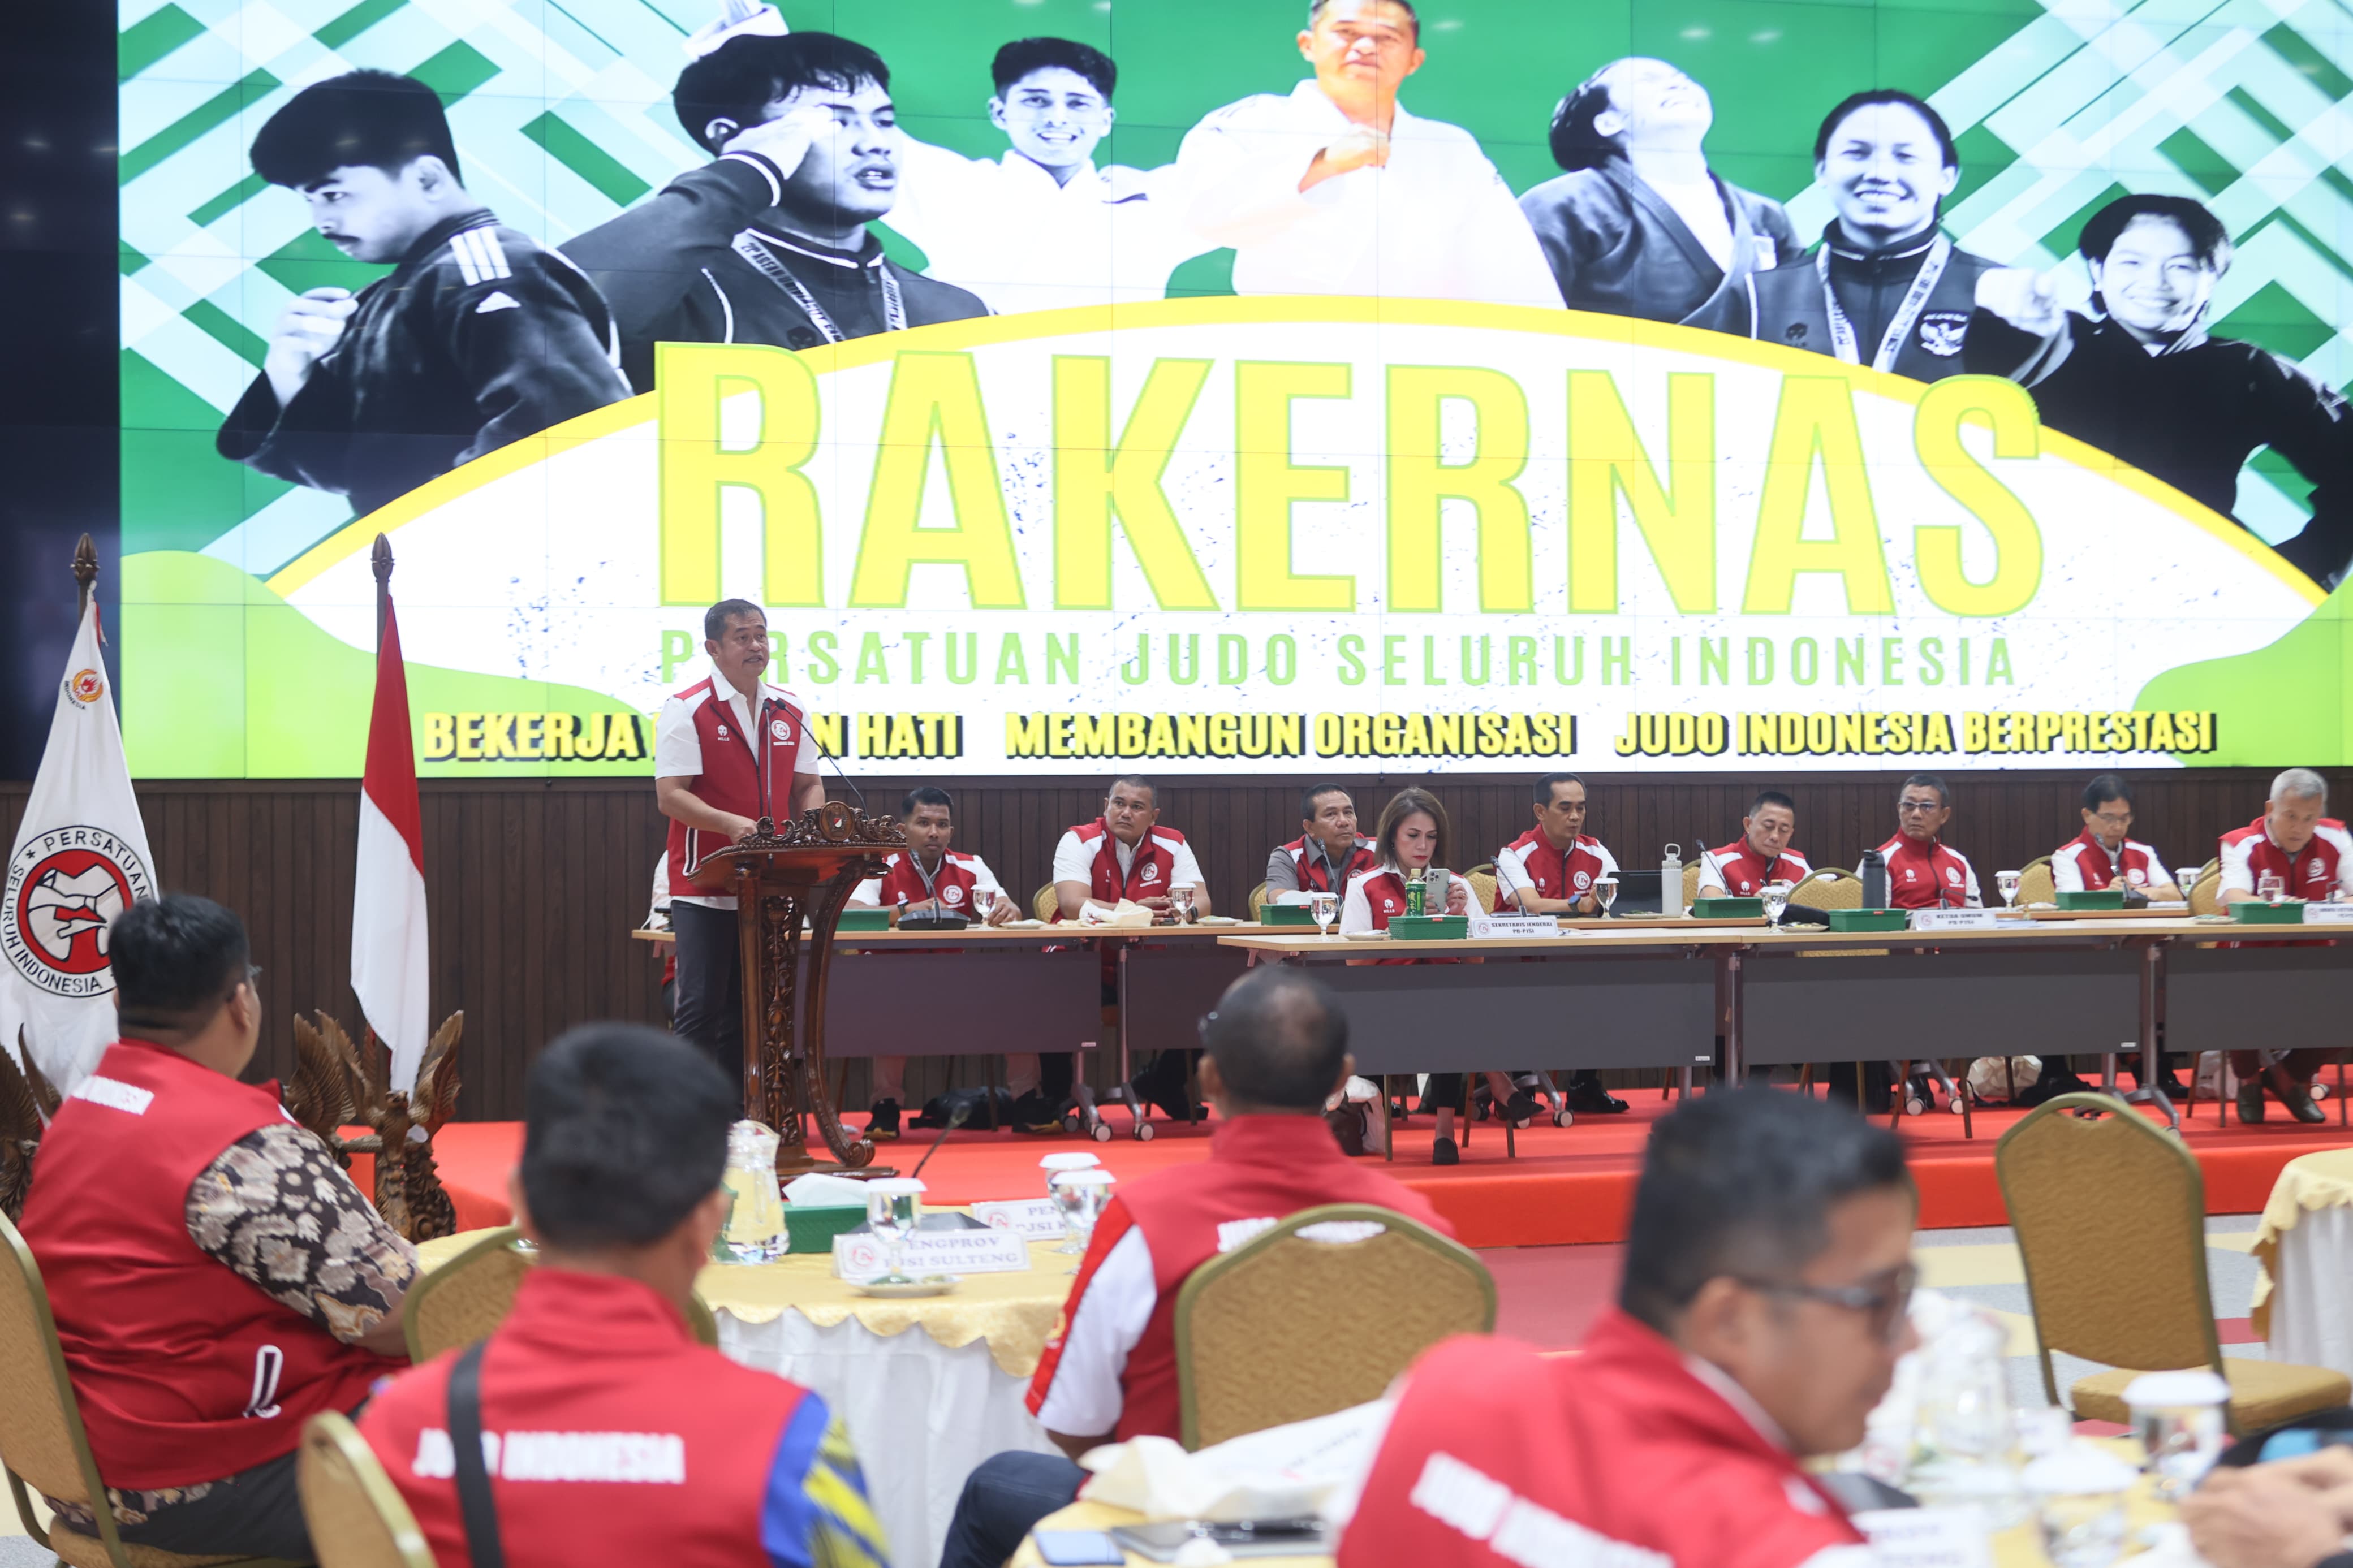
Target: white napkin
{"type": "Point", "coordinates": [818, 1190]}
{"type": "Point", "coordinates": [1283, 1472]}
{"type": "Point", "coordinates": [1129, 913]}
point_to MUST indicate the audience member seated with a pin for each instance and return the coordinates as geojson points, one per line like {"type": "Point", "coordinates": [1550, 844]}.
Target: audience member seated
{"type": "Point", "coordinates": [1125, 854]}
{"type": "Point", "coordinates": [2310, 852]}
{"type": "Point", "coordinates": [930, 879]}
{"type": "Point", "coordinates": [2105, 853]}
{"type": "Point", "coordinates": [1550, 869]}
{"type": "Point", "coordinates": [1276, 1049]}
{"type": "Point", "coordinates": [1328, 854]}
{"type": "Point", "coordinates": [2287, 1513]}
{"type": "Point", "coordinates": [1759, 1318]}
{"type": "Point", "coordinates": [593, 1385]}
{"type": "Point", "coordinates": [1410, 839]}
{"type": "Point", "coordinates": [1760, 854]}
{"type": "Point", "coordinates": [215, 1277]}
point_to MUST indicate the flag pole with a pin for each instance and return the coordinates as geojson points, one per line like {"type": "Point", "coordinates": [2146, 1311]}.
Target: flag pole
{"type": "Point", "coordinates": [85, 571]}
{"type": "Point", "coordinates": [380, 558]}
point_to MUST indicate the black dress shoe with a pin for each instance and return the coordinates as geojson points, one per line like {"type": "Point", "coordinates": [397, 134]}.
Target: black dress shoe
{"type": "Point", "coordinates": [1348, 1124]}
{"type": "Point", "coordinates": [1587, 1097]}
{"type": "Point", "coordinates": [2251, 1101]}
{"type": "Point", "coordinates": [2297, 1097]}
{"type": "Point", "coordinates": [1444, 1152]}
{"type": "Point", "coordinates": [1521, 1109]}
{"type": "Point", "coordinates": [1033, 1112]}
{"type": "Point", "coordinates": [882, 1120]}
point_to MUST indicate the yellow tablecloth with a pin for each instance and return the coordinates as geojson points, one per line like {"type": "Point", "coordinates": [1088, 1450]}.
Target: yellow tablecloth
{"type": "Point", "coordinates": [2020, 1547]}
{"type": "Point", "coordinates": [2311, 1182]}
{"type": "Point", "coordinates": [1014, 1312]}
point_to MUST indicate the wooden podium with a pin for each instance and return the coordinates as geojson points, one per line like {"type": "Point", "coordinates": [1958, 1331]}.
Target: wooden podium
{"type": "Point", "coordinates": [780, 876]}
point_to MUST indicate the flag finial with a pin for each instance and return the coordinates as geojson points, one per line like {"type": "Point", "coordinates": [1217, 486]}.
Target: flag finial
{"type": "Point", "coordinates": [380, 558]}
{"type": "Point", "coordinates": [85, 569]}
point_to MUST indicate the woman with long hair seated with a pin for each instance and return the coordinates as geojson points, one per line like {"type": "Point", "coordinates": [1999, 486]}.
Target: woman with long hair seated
{"type": "Point", "coordinates": [1412, 837]}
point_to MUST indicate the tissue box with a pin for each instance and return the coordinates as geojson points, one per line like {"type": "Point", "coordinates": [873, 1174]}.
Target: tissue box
{"type": "Point", "coordinates": [864, 919]}
{"type": "Point", "coordinates": [1728, 909]}
{"type": "Point", "coordinates": [2255, 913]}
{"type": "Point", "coordinates": [811, 1227]}
{"type": "Point", "coordinates": [2093, 898]}
{"type": "Point", "coordinates": [1428, 928]}
{"type": "Point", "coordinates": [1287, 915]}
{"type": "Point", "coordinates": [1870, 919]}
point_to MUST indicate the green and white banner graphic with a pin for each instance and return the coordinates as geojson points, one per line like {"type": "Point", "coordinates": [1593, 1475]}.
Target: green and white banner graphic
{"type": "Point", "coordinates": [1494, 386]}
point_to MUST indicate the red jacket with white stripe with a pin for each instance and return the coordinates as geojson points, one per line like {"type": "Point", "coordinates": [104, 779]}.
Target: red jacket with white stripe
{"type": "Point", "coordinates": [1531, 862]}
{"type": "Point", "coordinates": [1928, 876]}
{"type": "Point", "coordinates": [2081, 866]}
{"type": "Point", "coordinates": [1149, 875]}
{"type": "Point", "coordinates": [1313, 869]}
{"type": "Point", "coordinates": [184, 1371]}
{"type": "Point", "coordinates": [1739, 870]}
{"type": "Point", "coordinates": [1111, 1365]}
{"type": "Point", "coordinates": [1624, 1455]}
{"type": "Point", "coordinates": [2321, 870]}
{"type": "Point", "coordinates": [734, 777]}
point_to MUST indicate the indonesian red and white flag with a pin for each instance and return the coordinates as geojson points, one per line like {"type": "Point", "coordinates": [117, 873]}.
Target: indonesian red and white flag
{"type": "Point", "coordinates": [80, 859]}
{"type": "Point", "coordinates": [389, 970]}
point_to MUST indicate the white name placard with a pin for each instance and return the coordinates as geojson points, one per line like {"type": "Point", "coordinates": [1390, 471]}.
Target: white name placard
{"type": "Point", "coordinates": [861, 1256]}
{"type": "Point", "coordinates": [2335, 912]}
{"type": "Point", "coordinates": [1034, 1219]}
{"type": "Point", "coordinates": [1513, 927]}
{"type": "Point", "coordinates": [1955, 920]}
{"type": "Point", "coordinates": [1928, 1537]}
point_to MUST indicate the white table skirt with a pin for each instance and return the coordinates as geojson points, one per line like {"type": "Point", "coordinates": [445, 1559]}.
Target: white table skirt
{"type": "Point", "coordinates": [2311, 1290]}
{"type": "Point", "coordinates": [920, 1415]}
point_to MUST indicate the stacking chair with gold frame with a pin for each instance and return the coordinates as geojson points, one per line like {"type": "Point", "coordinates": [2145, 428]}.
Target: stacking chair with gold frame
{"type": "Point", "coordinates": [2035, 883]}
{"type": "Point", "coordinates": [42, 1442]}
{"type": "Point", "coordinates": [1043, 903]}
{"type": "Point", "coordinates": [1287, 1327]}
{"type": "Point", "coordinates": [357, 1517]}
{"type": "Point", "coordinates": [1258, 896]}
{"type": "Point", "coordinates": [2205, 889]}
{"type": "Point", "coordinates": [470, 1295]}
{"type": "Point", "coordinates": [2110, 1214]}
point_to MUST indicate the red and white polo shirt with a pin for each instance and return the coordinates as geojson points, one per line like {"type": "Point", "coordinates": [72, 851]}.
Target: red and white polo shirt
{"type": "Point", "coordinates": [2321, 870]}
{"type": "Point", "coordinates": [2084, 865]}
{"type": "Point", "coordinates": [1530, 863]}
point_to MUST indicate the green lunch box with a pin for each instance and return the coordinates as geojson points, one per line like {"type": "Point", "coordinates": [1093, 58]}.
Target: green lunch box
{"type": "Point", "coordinates": [1870, 919]}
{"type": "Point", "coordinates": [2255, 913]}
{"type": "Point", "coordinates": [2093, 898]}
{"type": "Point", "coordinates": [1428, 928]}
{"type": "Point", "coordinates": [1728, 909]}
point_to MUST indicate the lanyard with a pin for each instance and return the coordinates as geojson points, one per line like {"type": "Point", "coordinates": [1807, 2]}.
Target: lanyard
{"type": "Point", "coordinates": [895, 305]}
{"type": "Point", "coordinates": [931, 882]}
{"type": "Point", "coordinates": [1915, 300]}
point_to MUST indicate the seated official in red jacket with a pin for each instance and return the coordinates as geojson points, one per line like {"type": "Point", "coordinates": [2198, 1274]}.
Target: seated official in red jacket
{"type": "Point", "coordinates": [607, 1433]}
{"type": "Point", "coordinates": [1759, 1318]}
{"type": "Point", "coordinates": [1276, 1049]}
{"type": "Point", "coordinates": [215, 1277]}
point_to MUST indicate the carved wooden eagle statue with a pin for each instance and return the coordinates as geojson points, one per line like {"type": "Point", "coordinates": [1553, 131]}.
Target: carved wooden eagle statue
{"type": "Point", "coordinates": [336, 1084]}
{"type": "Point", "coordinates": [26, 1102]}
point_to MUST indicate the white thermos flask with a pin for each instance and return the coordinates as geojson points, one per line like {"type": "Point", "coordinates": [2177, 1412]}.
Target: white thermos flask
{"type": "Point", "coordinates": [1670, 882]}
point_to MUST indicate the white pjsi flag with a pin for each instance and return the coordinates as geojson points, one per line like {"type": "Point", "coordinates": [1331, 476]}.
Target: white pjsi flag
{"type": "Point", "coordinates": [80, 859]}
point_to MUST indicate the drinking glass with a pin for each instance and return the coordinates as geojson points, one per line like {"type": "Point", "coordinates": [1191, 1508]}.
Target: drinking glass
{"type": "Point", "coordinates": [1055, 1166]}
{"type": "Point", "coordinates": [983, 903]}
{"type": "Point", "coordinates": [1605, 890]}
{"type": "Point", "coordinates": [893, 1207]}
{"type": "Point", "coordinates": [2007, 883]}
{"type": "Point", "coordinates": [2079, 1505]}
{"type": "Point", "coordinates": [2271, 887]}
{"type": "Point", "coordinates": [1081, 1196]}
{"type": "Point", "coordinates": [1324, 903]}
{"type": "Point", "coordinates": [1181, 901]}
{"type": "Point", "coordinates": [1775, 896]}
{"type": "Point", "coordinates": [2180, 1420]}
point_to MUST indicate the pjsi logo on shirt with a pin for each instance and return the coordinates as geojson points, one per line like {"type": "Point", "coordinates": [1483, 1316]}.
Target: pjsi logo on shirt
{"type": "Point", "coordinates": [781, 728]}
{"type": "Point", "coordinates": [1584, 880]}
{"type": "Point", "coordinates": [2315, 872]}
{"type": "Point", "coordinates": [951, 895]}
{"type": "Point", "coordinates": [1152, 873]}
{"type": "Point", "coordinates": [1953, 875]}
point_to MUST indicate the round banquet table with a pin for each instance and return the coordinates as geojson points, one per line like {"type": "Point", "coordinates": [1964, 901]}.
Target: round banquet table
{"type": "Point", "coordinates": [921, 1408]}
{"type": "Point", "coordinates": [2305, 1247]}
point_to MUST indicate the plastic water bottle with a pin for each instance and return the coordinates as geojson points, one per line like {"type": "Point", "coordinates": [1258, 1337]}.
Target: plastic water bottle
{"type": "Point", "coordinates": [1874, 872]}
{"type": "Point", "coordinates": [1670, 882]}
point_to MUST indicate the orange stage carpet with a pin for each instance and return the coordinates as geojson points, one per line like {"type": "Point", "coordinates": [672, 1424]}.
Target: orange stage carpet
{"type": "Point", "coordinates": [1569, 1184]}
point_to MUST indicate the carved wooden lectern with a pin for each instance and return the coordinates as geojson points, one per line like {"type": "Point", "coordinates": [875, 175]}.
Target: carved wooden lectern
{"type": "Point", "coordinates": [804, 870]}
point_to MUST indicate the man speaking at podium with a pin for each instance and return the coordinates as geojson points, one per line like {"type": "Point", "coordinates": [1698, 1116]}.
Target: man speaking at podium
{"type": "Point", "coordinates": [728, 751]}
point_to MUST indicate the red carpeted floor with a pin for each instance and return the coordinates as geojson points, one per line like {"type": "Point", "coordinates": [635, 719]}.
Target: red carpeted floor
{"type": "Point", "coordinates": [1569, 1184]}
